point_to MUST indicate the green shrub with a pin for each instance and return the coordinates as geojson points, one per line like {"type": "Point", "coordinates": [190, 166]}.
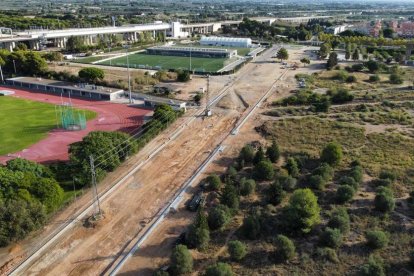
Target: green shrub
{"type": "Point", "coordinates": [247, 154]}
{"type": "Point", "coordinates": [331, 237]}
{"type": "Point", "coordinates": [251, 227]}
{"type": "Point", "coordinates": [285, 248]}
{"type": "Point", "coordinates": [317, 182]}
{"type": "Point", "coordinates": [219, 269]}
{"type": "Point", "coordinates": [292, 167]}
{"type": "Point", "coordinates": [351, 79]}
{"type": "Point", "coordinates": [198, 237]}
{"type": "Point", "coordinates": [350, 181]}
{"type": "Point", "coordinates": [377, 239]}
{"type": "Point", "coordinates": [237, 250]}
{"type": "Point", "coordinates": [396, 79]}
{"type": "Point", "coordinates": [218, 217]}
{"type": "Point", "coordinates": [356, 173]}
{"type": "Point", "coordinates": [340, 220]}
{"type": "Point", "coordinates": [332, 154]}
{"type": "Point", "coordinates": [288, 182]}
{"type": "Point", "coordinates": [387, 174]}
{"type": "Point", "coordinates": [303, 212]}
{"type": "Point", "coordinates": [181, 260]}
{"type": "Point", "coordinates": [273, 152]}
{"type": "Point", "coordinates": [344, 194]}
{"type": "Point", "coordinates": [247, 187]}
{"type": "Point", "coordinates": [325, 171]}
{"type": "Point", "coordinates": [341, 75]}
{"type": "Point", "coordinates": [384, 200]}
{"type": "Point", "coordinates": [259, 156]}
{"type": "Point", "coordinates": [264, 171]}
{"type": "Point", "coordinates": [160, 273]}
{"type": "Point", "coordinates": [328, 254]}
{"type": "Point", "coordinates": [374, 267]}
{"type": "Point", "coordinates": [276, 193]}
{"type": "Point", "coordinates": [230, 197]}
{"type": "Point", "coordinates": [374, 78]}
{"type": "Point", "coordinates": [214, 182]}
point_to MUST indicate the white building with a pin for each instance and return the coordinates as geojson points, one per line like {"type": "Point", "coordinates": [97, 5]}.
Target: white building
{"type": "Point", "coordinates": [226, 41]}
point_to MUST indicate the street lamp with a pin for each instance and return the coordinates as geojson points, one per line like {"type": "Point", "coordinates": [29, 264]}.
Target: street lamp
{"type": "Point", "coordinates": [129, 73]}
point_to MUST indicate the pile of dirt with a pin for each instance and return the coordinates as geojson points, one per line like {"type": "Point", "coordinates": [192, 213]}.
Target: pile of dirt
{"type": "Point", "coordinates": [232, 101]}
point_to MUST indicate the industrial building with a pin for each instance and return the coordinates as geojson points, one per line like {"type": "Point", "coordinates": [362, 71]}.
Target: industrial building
{"type": "Point", "coordinates": [67, 89]}
{"type": "Point", "coordinates": [191, 51]}
{"type": "Point", "coordinates": [226, 41]}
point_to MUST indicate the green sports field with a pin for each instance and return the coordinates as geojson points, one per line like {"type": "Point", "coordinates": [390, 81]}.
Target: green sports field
{"type": "Point", "coordinates": [24, 122]}
{"type": "Point", "coordinates": [141, 60]}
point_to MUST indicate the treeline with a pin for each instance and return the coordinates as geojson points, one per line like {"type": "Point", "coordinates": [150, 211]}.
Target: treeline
{"type": "Point", "coordinates": [22, 62]}
{"type": "Point", "coordinates": [28, 193]}
{"type": "Point", "coordinates": [18, 22]}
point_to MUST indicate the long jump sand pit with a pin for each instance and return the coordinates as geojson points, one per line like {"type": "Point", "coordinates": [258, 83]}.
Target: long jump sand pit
{"type": "Point", "coordinates": [110, 117]}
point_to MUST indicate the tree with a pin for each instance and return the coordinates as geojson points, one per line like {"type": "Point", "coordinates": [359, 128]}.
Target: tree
{"type": "Point", "coordinates": [305, 61]}
{"type": "Point", "coordinates": [396, 79]}
{"type": "Point", "coordinates": [347, 54]}
{"type": "Point", "coordinates": [74, 44]}
{"type": "Point", "coordinates": [332, 154]}
{"type": "Point", "coordinates": [344, 194]}
{"type": "Point", "coordinates": [285, 248]}
{"type": "Point", "coordinates": [331, 237]}
{"type": "Point", "coordinates": [230, 197]}
{"type": "Point", "coordinates": [247, 187]}
{"type": "Point", "coordinates": [183, 76]}
{"type": "Point", "coordinates": [303, 211]}
{"type": "Point", "coordinates": [259, 156]}
{"type": "Point", "coordinates": [384, 200]}
{"type": "Point", "coordinates": [91, 74]}
{"type": "Point", "coordinates": [247, 154]}
{"type": "Point", "coordinates": [325, 171]}
{"type": "Point", "coordinates": [339, 219]}
{"type": "Point", "coordinates": [219, 269]}
{"type": "Point", "coordinates": [324, 50]}
{"type": "Point", "coordinates": [374, 78]}
{"type": "Point", "coordinates": [218, 217]}
{"type": "Point", "coordinates": [181, 260]}
{"type": "Point", "coordinates": [288, 182]}
{"type": "Point", "coordinates": [376, 239]}
{"type": "Point", "coordinates": [198, 235]}
{"type": "Point", "coordinates": [292, 167]}
{"type": "Point", "coordinates": [341, 95]}
{"type": "Point", "coordinates": [214, 183]}
{"type": "Point", "coordinates": [252, 227]}
{"type": "Point", "coordinates": [355, 54]}
{"type": "Point", "coordinates": [27, 166]}
{"type": "Point", "coordinates": [374, 267]}
{"type": "Point", "coordinates": [388, 32]}
{"type": "Point", "coordinates": [18, 218]}
{"type": "Point", "coordinates": [49, 193]}
{"type": "Point", "coordinates": [276, 193]}
{"type": "Point", "coordinates": [282, 54]}
{"type": "Point", "coordinates": [34, 64]}
{"type": "Point", "coordinates": [332, 60]}
{"type": "Point", "coordinates": [372, 65]}
{"type": "Point", "coordinates": [264, 171]}
{"type": "Point", "coordinates": [237, 250]}
{"type": "Point", "coordinates": [317, 182]}
{"type": "Point", "coordinates": [273, 152]}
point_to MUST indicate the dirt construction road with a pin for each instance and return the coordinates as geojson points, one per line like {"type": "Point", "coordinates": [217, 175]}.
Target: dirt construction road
{"type": "Point", "coordinates": [91, 251]}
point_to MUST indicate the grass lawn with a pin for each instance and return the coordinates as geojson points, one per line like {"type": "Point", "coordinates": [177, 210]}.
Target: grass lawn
{"type": "Point", "coordinates": [170, 62]}
{"type": "Point", "coordinates": [24, 122]}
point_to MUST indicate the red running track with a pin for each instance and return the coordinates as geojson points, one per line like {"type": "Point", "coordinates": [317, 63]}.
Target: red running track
{"type": "Point", "coordinates": [110, 117]}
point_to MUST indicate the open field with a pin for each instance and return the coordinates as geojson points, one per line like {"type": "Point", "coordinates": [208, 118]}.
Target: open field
{"type": "Point", "coordinates": [26, 122]}
{"type": "Point", "coordinates": [169, 62]}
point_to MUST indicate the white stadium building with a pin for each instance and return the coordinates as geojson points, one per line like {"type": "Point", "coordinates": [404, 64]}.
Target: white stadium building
{"type": "Point", "coordinates": [226, 41]}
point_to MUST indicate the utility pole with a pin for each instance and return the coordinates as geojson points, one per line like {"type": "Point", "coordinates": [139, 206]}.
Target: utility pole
{"type": "Point", "coordinates": [207, 112]}
{"type": "Point", "coordinates": [1, 75]}
{"type": "Point", "coordinates": [129, 75]}
{"type": "Point", "coordinates": [98, 213]}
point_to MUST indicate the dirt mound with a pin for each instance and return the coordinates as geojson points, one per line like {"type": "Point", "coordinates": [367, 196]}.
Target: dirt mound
{"type": "Point", "coordinates": [232, 101]}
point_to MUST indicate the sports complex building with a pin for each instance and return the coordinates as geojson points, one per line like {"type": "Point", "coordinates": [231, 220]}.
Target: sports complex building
{"type": "Point", "coordinates": [226, 41]}
{"type": "Point", "coordinates": [191, 51]}
{"type": "Point", "coordinates": [67, 89]}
